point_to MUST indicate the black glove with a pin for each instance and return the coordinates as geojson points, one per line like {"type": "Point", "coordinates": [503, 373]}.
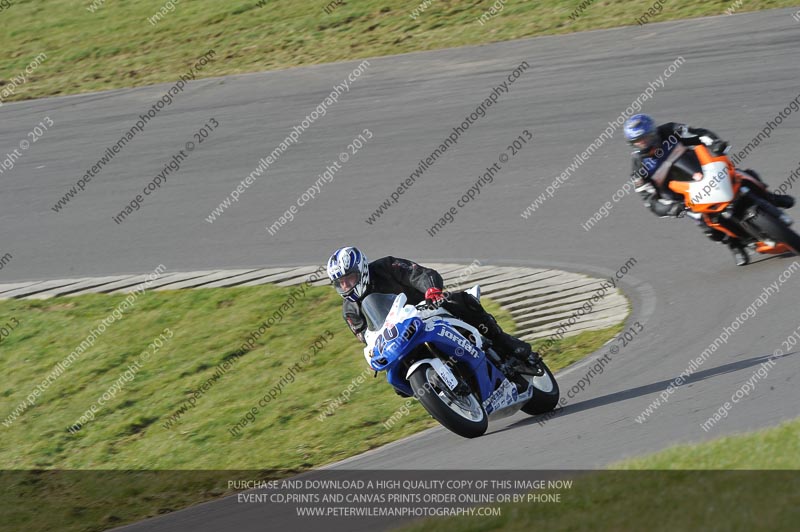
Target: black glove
{"type": "Point", "coordinates": [676, 209]}
{"type": "Point", "coordinates": [645, 189]}
{"type": "Point", "coordinates": [664, 210]}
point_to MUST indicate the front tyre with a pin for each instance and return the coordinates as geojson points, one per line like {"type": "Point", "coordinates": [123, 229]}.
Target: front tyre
{"type": "Point", "coordinates": [461, 413]}
{"type": "Point", "coordinates": [777, 230]}
{"type": "Point", "coordinates": [545, 392]}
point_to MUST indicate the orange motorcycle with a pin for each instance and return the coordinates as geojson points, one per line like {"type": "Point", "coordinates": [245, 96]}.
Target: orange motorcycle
{"type": "Point", "coordinates": [728, 200]}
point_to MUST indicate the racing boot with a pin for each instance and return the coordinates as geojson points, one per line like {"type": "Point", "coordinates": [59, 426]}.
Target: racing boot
{"type": "Point", "coordinates": [511, 346]}
{"type": "Point", "coordinates": [513, 349]}
{"type": "Point", "coordinates": [783, 201]}
{"type": "Point", "coordinates": [755, 174]}
{"type": "Point", "coordinates": [504, 343]}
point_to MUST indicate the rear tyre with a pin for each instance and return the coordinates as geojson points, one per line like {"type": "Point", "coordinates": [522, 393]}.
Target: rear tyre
{"type": "Point", "coordinates": [458, 412]}
{"type": "Point", "coordinates": [545, 392]}
{"type": "Point", "coordinates": [777, 230]}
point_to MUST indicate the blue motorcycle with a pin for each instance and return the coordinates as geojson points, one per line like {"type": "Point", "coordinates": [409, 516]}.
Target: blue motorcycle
{"type": "Point", "coordinates": [450, 367]}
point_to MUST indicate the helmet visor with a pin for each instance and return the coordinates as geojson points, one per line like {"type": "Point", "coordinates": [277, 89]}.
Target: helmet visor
{"type": "Point", "coordinates": [645, 142]}
{"type": "Point", "coordinates": [346, 283]}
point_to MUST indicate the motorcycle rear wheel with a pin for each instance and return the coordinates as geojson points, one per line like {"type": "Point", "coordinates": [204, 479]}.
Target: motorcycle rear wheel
{"type": "Point", "coordinates": [545, 392]}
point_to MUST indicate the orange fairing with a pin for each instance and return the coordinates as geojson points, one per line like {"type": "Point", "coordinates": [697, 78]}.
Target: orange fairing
{"type": "Point", "coordinates": [681, 187]}
{"type": "Point", "coordinates": [705, 157]}
{"type": "Point", "coordinates": [777, 249]}
{"type": "Point", "coordinates": [718, 227]}
{"type": "Point", "coordinates": [684, 187]}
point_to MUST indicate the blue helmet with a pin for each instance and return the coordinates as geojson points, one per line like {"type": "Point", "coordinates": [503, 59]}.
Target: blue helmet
{"type": "Point", "coordinates": [640, 132]}
{"type": "Point", "coordinates": [348, 270]}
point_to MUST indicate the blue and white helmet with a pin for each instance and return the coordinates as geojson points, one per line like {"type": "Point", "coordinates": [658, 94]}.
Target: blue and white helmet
{"type": "Point", "coordinates": [640, 132]}
{"type": "Point", "coordinates": [348, 270]}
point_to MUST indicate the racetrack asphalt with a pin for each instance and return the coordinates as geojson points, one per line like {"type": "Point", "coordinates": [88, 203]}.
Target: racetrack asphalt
{"type": "Point", "coordinates": [739, 72]}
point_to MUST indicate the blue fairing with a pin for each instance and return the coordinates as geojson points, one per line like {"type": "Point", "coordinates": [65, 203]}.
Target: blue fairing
{"type": "Point", "coordinates": [399, 341]}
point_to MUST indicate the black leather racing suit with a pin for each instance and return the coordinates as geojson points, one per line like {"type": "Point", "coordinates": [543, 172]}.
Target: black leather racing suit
{"type": "Point", "coordinates": [391, 275]}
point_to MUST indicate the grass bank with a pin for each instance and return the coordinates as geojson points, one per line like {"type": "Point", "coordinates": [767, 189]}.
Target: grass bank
{"type": "Point", "coordinates": [97, 44]}
{"type": "Point", "coordinates": [740, 482]}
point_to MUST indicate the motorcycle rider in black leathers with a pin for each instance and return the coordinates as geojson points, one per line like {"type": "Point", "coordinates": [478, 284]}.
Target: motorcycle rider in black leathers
{"type": "Point", "coordinates": [354, 278]}
{"type": "Point", "coordinates": [653, 159]}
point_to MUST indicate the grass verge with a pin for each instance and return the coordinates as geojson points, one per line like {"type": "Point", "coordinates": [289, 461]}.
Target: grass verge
{"type": "Point", "coordinates": [144, 420]}
{"type": "Point", "coordinates": [96, 44]}
{"type": "Point", "coordinates": [649, 493]}
{"type": "Point", "coordinates": [571, 349]}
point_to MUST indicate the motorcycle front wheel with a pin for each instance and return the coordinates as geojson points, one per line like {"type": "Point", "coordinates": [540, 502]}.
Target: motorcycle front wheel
{"type": "Point", "coordinates": [461, 413]}
{"type": "Point", "coordinates": [776, 230]}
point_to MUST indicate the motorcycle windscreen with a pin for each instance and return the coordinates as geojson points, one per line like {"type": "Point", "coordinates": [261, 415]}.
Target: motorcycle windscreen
{"type": "Point", "coordinates": [715, 187]}
{"type": "Point", "coordinates": [375, 308]}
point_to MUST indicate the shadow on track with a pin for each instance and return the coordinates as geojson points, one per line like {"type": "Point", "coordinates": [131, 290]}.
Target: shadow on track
{"type": "Point", "coordinates": [642, 390]}
{"type": "Point", "coordinates": [758, 259]}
